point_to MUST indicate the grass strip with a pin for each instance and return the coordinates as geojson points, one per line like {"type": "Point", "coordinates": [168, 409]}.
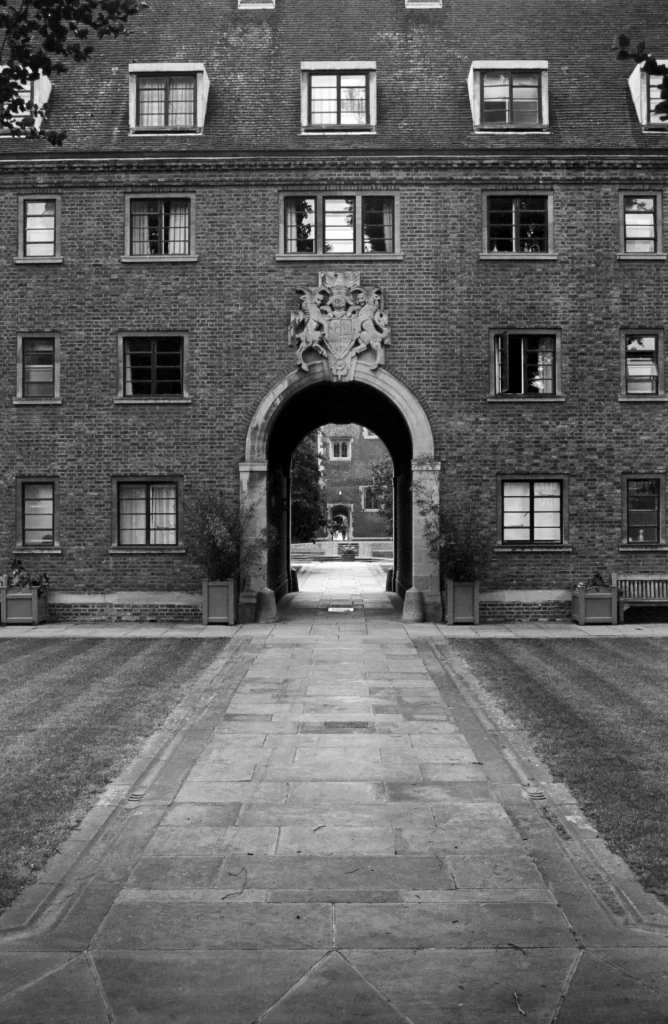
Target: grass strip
{"type": "Point", "coordinates": [72, 714]}
{"type": "Point", "coordinates": [596, 712]}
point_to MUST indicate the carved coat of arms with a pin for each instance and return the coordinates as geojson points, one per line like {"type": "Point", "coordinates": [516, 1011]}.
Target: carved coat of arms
{"type": "Point", "coordinates": [339, 322]}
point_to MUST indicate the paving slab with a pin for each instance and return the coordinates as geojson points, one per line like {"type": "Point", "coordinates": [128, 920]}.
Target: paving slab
{"type": "Point", "coordinates": [348, 837]}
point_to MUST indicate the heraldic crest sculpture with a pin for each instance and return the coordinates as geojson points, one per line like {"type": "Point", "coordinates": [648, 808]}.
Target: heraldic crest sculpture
{"type": "Point", "coordinates": [339, 322]}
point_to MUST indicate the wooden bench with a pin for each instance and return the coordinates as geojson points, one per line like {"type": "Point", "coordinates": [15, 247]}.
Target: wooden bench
{"type": "Point", "coordinates": [637, 588]}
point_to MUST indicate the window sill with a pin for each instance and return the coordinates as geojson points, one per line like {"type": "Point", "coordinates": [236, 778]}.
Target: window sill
{"type": "Point", "coordinates": [643, 257]}
{"type": "Point", "coordinates": [642, 398]}
{"type": "Point", "coordinates": [542, 549]}
{"type": "Point", "coordinates": [148, 549]}
{"type": "Point", "coordinates": [181, 400]}
{"type": "Point", "coordinates": [185, 130]}
{"type": "Point", "coordinates": [33, 551]}
{"type": "Point", "coordinates": [510, 130]}
{"type": "Point", "coordinates": [335, 130]}
{"type": "Point", "coordinates": [37, 401]}
{"type": "Point", "coordinates": [523, 399]}
{"type": "Point", "coordinates": [329, 256]}
{"type": "Point", "coordinates": [158, 259]}
{"type": "Point", "coordinates": [38, 259]}
{"type": "Point", "coordinates": [643, 547]}
{"type": "Point", "coordinates": [501, 256]}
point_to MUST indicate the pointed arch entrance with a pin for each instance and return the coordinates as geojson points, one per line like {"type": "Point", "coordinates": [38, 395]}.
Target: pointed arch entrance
{"type": "Point", "coordinates": [374, 398]}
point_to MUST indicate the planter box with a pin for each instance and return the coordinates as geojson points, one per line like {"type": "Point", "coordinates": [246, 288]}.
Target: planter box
{"type": "Point", "coordinates": [462, 603]}
{"type": "Point", "coordinates": [219, 602]}
{"type": "Point", "coordinates": [22, 607]}
{"type": "Point", "coordinates": [595, 606]}
{"type": "Point", "coordinates": [345, 557]}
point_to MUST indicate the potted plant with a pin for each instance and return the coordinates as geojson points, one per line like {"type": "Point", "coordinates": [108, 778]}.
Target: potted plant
{"type": "Point", "coordinates": [348, 552]}
{"type": "Point", "coordinates": [462, 544]}
{"type": "Point", "coordinates": [595, 602]}
{"type": "Point", "coordinates": [23, 598]}
{"type": "Point", "coordinates": [215, 532]}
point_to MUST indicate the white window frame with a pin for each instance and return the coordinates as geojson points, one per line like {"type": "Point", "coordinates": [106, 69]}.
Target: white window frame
{"type": "Point", "coordinates": [340, 440]}
{"type": "Point", "coordinates": [257, 5]}
{"type": "Point", "coordinates": [624, 395]}
{"type": "Point", "coordinates": [38, 197]}
{"type": "Point", "coordinates": [308, 67]}
{"type": "Point", "coordinates": [21, 399]}
{"type": "Point", "coordinates": [639, 88]}
{"type": "Point", "coordinates": [128, 257]}
{"type": "Point", "coordinates": [201, 96]}
{"type": "Point", "coordinates": [40, 91]}
{"type": "Point", "coordinates": [657, 195]}
{"type": "Point", "coordinates": [423, 4]}
{"type": "Point", "coordinates": [474, 83]}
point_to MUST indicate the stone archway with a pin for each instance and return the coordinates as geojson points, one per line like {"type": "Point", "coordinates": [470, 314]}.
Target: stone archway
{"type": "Point", "coordinates": [300, 402]}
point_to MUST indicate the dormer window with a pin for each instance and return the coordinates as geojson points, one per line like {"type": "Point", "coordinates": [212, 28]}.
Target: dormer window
{"type": "Point", "coordinates": [338, 96]}
{"type": "Point", "coordinates": [36, 91]}
{"type": "Point", "coordinates": [509, 95]}
{"type": "Point", "coordinates": [646, 93]}
{"type": "Point", "coordinates": [168, 97]}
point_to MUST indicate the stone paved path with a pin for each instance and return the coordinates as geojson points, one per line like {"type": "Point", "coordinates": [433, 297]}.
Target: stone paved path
{"type": "Point", "coordinates": [336, 833]}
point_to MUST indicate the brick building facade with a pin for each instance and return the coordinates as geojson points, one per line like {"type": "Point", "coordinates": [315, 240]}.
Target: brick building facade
{"type": "Point", "coordinates": [349, 452]}
{"type": "Point", "coordinates": [486, 170]}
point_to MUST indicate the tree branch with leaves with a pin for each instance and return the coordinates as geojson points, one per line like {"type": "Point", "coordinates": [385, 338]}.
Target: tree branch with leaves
{"type": "Point", "coordinates": [39, 38]}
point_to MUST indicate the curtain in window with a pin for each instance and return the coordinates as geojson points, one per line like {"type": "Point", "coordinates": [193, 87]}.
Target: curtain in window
{"type": "Point", "coordinates": [162, 514]}
{"type": "Point", "coordinates": [151, 102]}
{"type": "Point", "coordinates": [131, 514]}
{"type": "Point", "coordinates": [140, 210]}
{"type": "Point", "coordinates": [543, 378]}
{"type": "Point", "coordinates": [177, 217]}
{"type": "Point", "coordinates": [181, 102]}
{"type": "Point", "coordinates": [388, 224]}
{"type": "Point", "coordinates": [37, 514]}
{"type": "Point", "coordinates": [353, 99]}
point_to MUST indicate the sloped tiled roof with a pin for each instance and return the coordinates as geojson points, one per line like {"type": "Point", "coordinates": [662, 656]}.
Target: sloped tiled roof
{"type": "Point", "coordinates": [253, 61]}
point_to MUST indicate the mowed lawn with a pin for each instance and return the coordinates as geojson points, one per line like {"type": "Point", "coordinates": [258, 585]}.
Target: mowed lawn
{"type": "Point", "coordinates": [597, 713]}
{"type": "Point", "coordinates": [72, 713]}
